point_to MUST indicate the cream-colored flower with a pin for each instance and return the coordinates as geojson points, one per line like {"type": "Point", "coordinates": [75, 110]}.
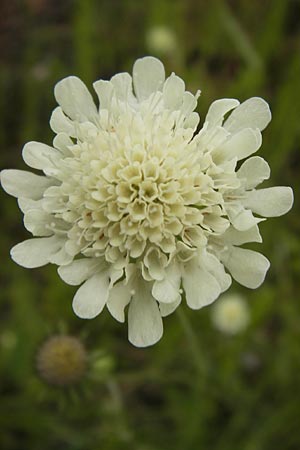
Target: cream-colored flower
{"type": "Point", "coordinates": [230, 314]}
{"type": "Point", "coordinates": [137, 206]}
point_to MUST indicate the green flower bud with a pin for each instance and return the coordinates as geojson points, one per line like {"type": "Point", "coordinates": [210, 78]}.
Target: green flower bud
{"type": "Point", "coordinates": [62, 360]}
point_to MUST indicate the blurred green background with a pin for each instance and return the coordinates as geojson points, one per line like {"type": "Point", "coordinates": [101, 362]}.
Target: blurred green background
{"type": "Point", "coordinates": [198, 388]}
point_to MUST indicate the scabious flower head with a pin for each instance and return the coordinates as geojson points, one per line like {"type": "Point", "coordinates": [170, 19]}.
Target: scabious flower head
{"type": "Point", "coordinates": [230, 314]}
{"type": "Point", "coordinates": [138, 206]}
{"type": "Point", "coordinates": [62, 360]}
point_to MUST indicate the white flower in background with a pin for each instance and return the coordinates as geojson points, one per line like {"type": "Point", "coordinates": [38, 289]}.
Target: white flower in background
{"type": "Point", "coordinates": [161, 40]}
{"type": "Point", "coordinates": [230, 314]}
{"type": "Point", "coordinates": [137, 206]}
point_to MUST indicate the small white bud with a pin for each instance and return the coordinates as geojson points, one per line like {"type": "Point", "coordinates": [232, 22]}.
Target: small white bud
{"type": "Point", "coordinates": [230, 314]}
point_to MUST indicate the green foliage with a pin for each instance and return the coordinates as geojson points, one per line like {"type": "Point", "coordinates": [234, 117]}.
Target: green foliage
{"type": "Point", "coordinates": [196, 389]}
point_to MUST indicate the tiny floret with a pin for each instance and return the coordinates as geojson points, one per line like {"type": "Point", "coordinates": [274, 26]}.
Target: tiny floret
{"type": "Point", "coordinates": [141, 207]}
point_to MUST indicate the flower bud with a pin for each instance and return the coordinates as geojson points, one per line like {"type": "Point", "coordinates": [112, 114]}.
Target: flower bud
{"type": "Point", "coordinates": [230, 314]}
{"type": "Point", "coordinates": [62, 360]}
{"type": "Point", "coordinates": [161, 40]}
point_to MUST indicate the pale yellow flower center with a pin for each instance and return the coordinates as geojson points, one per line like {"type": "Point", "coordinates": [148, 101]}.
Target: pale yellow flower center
{"type": "Point", "coordinates": [135, 195]}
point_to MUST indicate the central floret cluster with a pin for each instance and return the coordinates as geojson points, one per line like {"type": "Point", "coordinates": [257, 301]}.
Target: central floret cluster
{"type": "Point", "coordinates": [139, 207]}
{"type": "Point", "coordinates": [131, 195]}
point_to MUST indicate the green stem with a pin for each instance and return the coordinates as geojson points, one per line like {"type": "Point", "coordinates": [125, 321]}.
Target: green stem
{"type": "Point", "coordinates": [193, 341]}
{"type": "Point", "coordinates": [123, 429]}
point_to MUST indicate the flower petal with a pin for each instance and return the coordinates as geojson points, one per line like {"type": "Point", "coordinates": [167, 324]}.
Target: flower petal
{"type": "Point", "coordinates": [254, 171]}
{"type": "Point", "coordinates": [122, 83]}
{"type": "Point", "coordinates": [253, 113]}
{"type": "Point", "coordinates": [145, 326]}
{"type": "Point", "coordinates": [119, 297]}
{"type": "Point", "coordinates": [21, 183]}
{"type": "Point", "coordinates": [218, 109]}
{"type": "Point", "coordinates": [62, 142]}
{"type": "Point", "coordinates": [236, 237]}
{"type": "Point", "coordinates": [239, 145]}
{"type": "Point", "coordinates": [192, 121]}
{"type": "Point", "coordinates": [105, 90]}
{"type": "Point", "coordinates": [35, 252]}
{"type": "Point", "coordinates": [37, 222]}
{"type": "Point", "coordinates": [79, 270]}
{"type": "Point", "coordinates": [148, 76]}
{"type": "Point", "coordinates": [92, 296]}
{"type": "Point", "coordinates": [168, 308]}
{"type": "Point", "coordinates": [40, 156]}
{"type": "Point", "coordinates": [200, 286]}
{"type": "Point", "coordinates": [60, 123]}
{"type": "Point", "coordinates": [247, 267]}
{"type": "Point", "coordinates": [155, 261]}
{"type": "Point", "coordinates": [61, 258]}
{"type": "Point", "coordinates": [189, 103]}
{"type": "Point", "coordinates": [26, 204]}
{"type": "Point", "coordinates": [216, 269]}
{"type": "Point", "coordinates": [173, 92]}
{"type": "Point", "coordinates": [167, 290]}
{"type": "Point", "coordinates": [241, 218]}
{"type": "Point", "coordinates": [270, 202]}
{"type": "Point", "coordinates": [75, 99]}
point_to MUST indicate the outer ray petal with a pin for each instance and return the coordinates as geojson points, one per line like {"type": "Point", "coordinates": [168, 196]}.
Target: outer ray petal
{"type": "Point", "coordinates": [122, 83]}
{"type": "Point", "coordinates": [26, 204]}
{"type": "Point", "coordinates": [60, 123]}
{"type": "Point", "coordinates": [192, 121]}
{"type": "Point", "coordinates": [253, 113]}
{"type": "Point", "coordinates": [145, 326]}
{"type": "Point", "coordinates": [216, 269]}
{"type": "Point", "coordinates": [168, 308]}
{"type": "Point", "coordinates": [200, 286]}
{"type": "Point", "coordinates": [247, 267]}
{"type": "Point", "coordinates": [75, 99]}
{"type": "Point", "coordinates": [173, 92]}
{"type": "Point", "coordinates": [218, 109]}
{"type": "Point", "coordinates": [92, 296]}
{"type": "Point", "coordinates": [61, 258]}
{"type": "Point", "coordinates": [167, 290]}
{"type": "Point", "coordinates": [270, 202]}
{"type": "Point", "coordinates": [189, 103]}
{"type": "Point", "coordinates": [62, 142]}
{"type": "Point", "coordinates": [105, 91]}
{"type": "Point", "coordinates": [41, 156]}
{"type": "Point", "coordinates": [240, 145]}
{"type": "Point", "coordinates": [37, 222]}
{"type": "Point", "coordinates": [35, 252]}
{"type": "Point", "coordinates": [21, 183]}
{"type": "Point", "coordinates": [119, 297]}
{"type": "Point", "coordinates": [254, 171]}
{"type": "Point", "coordinates": [79, 270]}
{"type": "Point", "coordinates": [148, 76]}
{"type": "Point", "coordinates": [236, 237]}
{"type": "Point", "coordinates": [241, 218]}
